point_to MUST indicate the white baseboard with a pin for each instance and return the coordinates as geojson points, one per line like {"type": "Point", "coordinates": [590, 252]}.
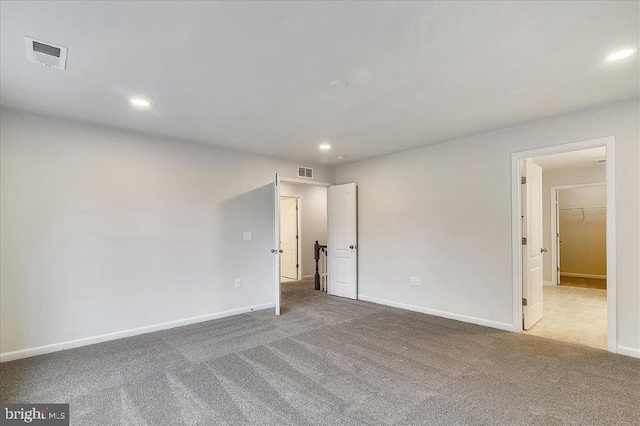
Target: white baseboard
{"type": "Point", "coordinates": [625, 350]}
{"type": "Point", "coordinates": [574, 274]}
{"type": "Point", "coordinates": [55, 347]}
{"type": "Point", "coordinates": [444, 314]}
{"type": "Point", "coordinates": [548, 283]}
{"type": "Point", "coordinates": [308, 276]}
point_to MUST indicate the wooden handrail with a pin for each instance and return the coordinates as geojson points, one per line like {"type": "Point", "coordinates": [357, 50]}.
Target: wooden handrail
{"type": "Point", "coordinates": [317, 248]}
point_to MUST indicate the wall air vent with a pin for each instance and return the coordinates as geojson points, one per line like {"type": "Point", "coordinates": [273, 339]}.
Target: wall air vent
{"type": "Point", "coordinates": [601, 160]}
{"type": "Point", "coordinates": [305, 172]}
{"type": "Point", "coordinates": [46, 53]}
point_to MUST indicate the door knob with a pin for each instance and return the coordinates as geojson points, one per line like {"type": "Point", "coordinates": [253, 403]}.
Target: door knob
{"type": "Point", "coordinates": [274, 251]}
{"type": "Point", "coordinates": [543, 250]}
{"type": "Point", "coordinates": [281, 251]}
{"type": "Point", "coordinates": [352, 247]}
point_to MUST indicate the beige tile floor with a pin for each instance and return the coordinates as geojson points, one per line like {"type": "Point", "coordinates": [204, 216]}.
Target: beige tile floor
{"type": "Point", "coordinates": [576, 315]}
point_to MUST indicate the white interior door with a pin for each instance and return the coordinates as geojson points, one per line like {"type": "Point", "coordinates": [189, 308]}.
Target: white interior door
{"type": "Point", "coordinates": [342, 241]}
{"type": "Point", "coordinates": [289, 238]}
{"type": "Point", "coordinates": [532, 250]}
{"type": "Point", "coordinates": [558, 239]}
{"type": "Point", "coordinates": [275, 251]}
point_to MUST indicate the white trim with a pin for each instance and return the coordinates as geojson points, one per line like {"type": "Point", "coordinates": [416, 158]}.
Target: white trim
{"type": "Point", "coordinates": [612, 298]}
{"type": "Point", "coordinates": [304, 181]}
{"type": "Point", "coordinates": [547, 283]}
{"type": "Point", "coordinates": [625, 350]}
{"type": "Point", "coordinates": [574, 274]}
{"type": "Point", "coordinates": [308, 276]}
{"type": "Point", "coordinates": [435, 312]}
{"type": "Point", "coordinates": [70, 344]}
{"type": "Point", "coordinates": [554, 223]}
{"type": "Point", "coordinates": [276, 243]}
{"type": "Point", "coordinates": [516, 247]}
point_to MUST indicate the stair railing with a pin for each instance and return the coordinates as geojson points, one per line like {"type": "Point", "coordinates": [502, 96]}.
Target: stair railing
{"type": "Point", "coordinates": [320, 255]}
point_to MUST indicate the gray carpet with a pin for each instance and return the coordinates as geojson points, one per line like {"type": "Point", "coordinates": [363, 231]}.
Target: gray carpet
{"type": "Point", "coordinates": [331, 361]}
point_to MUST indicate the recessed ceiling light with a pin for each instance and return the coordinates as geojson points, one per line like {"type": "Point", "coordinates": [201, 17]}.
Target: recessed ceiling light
{"type": "Point", "coordinates": [339, 84]}
{"type": "Point", "coordinates": [616, 56]}
{"type": "Point", "coordinates": [324, 147]}
{"type": "Point", "coordinates": [341, 157]}
{"type": "Point", "coordinates": [140, 102]}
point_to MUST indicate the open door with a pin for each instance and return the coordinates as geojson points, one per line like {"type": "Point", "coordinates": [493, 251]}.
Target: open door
{"type": "Point", "coordinates": [532, 244]}
{"type": "Point", "coordinates": [289, 265]}
{"type": "Point", "coordinates": [342, 241]}
{"type": "Point", "coordinates": [557, 240]}
{"type": "Point", "coordinates": [276, 250]}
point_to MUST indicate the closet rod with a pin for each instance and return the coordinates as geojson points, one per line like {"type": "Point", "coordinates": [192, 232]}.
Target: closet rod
{"type": "Point", "coordinates": [582, 208]}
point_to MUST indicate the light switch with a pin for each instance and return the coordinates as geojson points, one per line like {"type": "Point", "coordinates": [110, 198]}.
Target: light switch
{"type": "Point", "coordinates": [247, 236]}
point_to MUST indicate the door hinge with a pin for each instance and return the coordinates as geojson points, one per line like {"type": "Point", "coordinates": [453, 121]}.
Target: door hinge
{"type": "Point", "coordinates": [297, 237]}
{"type": "Point", "coordinates": [524, 302]}
{"type": "Point", "coordinates": [523, 180]}
{"type": "Point", "coordinates": [297, 265]}
{"type": "Point", "coordinates": [524, 241]}
{"type": "Point", "coordinates": [558, 268]}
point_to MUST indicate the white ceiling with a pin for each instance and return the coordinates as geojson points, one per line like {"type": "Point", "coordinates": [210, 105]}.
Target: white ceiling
{"type": "Point", "coordinates": [582, 158]}
{"type": "Point", "coordinates": [256, 75]}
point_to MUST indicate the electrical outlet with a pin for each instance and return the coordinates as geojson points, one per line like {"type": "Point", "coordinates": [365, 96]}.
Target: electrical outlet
{"type": "Point", "coordinates": [413, 280]}
{"type": "Point", "coordinates": [247, 236]}
{"type": "Point", "coordinates": [419, 281]}
{"type": "Point", "coordinates": [238, 282]}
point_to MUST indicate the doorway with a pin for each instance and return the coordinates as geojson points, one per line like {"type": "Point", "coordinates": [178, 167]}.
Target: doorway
{"type": "Point", "coordinates": [564, 242]}
{"type": "Point", "coordinates": [334, 213]}
{"type": "Point", "coordinates": [579, 226]}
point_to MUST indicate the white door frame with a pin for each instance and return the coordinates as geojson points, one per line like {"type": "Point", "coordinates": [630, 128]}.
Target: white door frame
{"type": "Point", "coordinates": [300, 181]}
{"type": "Point", "coordinates": [276, 243]}
{"type": "Point", "coordinates": [276, 226]}
{"type": "Point", "coordinates": [305, 181]}
{"type": "Point", "coordinates": [555, 253]}
{"type": "Point", "coordinates": [284, 194]}
{"type": "Point", "coordinates": [516, 232]}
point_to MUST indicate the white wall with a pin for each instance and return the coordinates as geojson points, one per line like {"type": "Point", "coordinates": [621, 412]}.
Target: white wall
{"type": "Point", "coordinates": [444, 212]}
{"type": "Point", "coordinates": [105, 230]}
{"type": "Point", "coordinates": [557, 177]}
{"type": "Point", "coordinates": [314, 220]}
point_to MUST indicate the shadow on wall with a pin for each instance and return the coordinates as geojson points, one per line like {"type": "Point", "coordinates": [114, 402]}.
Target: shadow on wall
{"type": "Point", "coordinates": [249, 260]}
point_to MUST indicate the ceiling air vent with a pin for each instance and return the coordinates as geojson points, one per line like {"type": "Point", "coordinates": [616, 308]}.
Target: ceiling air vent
{"type": "Point", "coordinates": [46, 53]}
{"type": "Point", "coordinates": [305, 172]}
